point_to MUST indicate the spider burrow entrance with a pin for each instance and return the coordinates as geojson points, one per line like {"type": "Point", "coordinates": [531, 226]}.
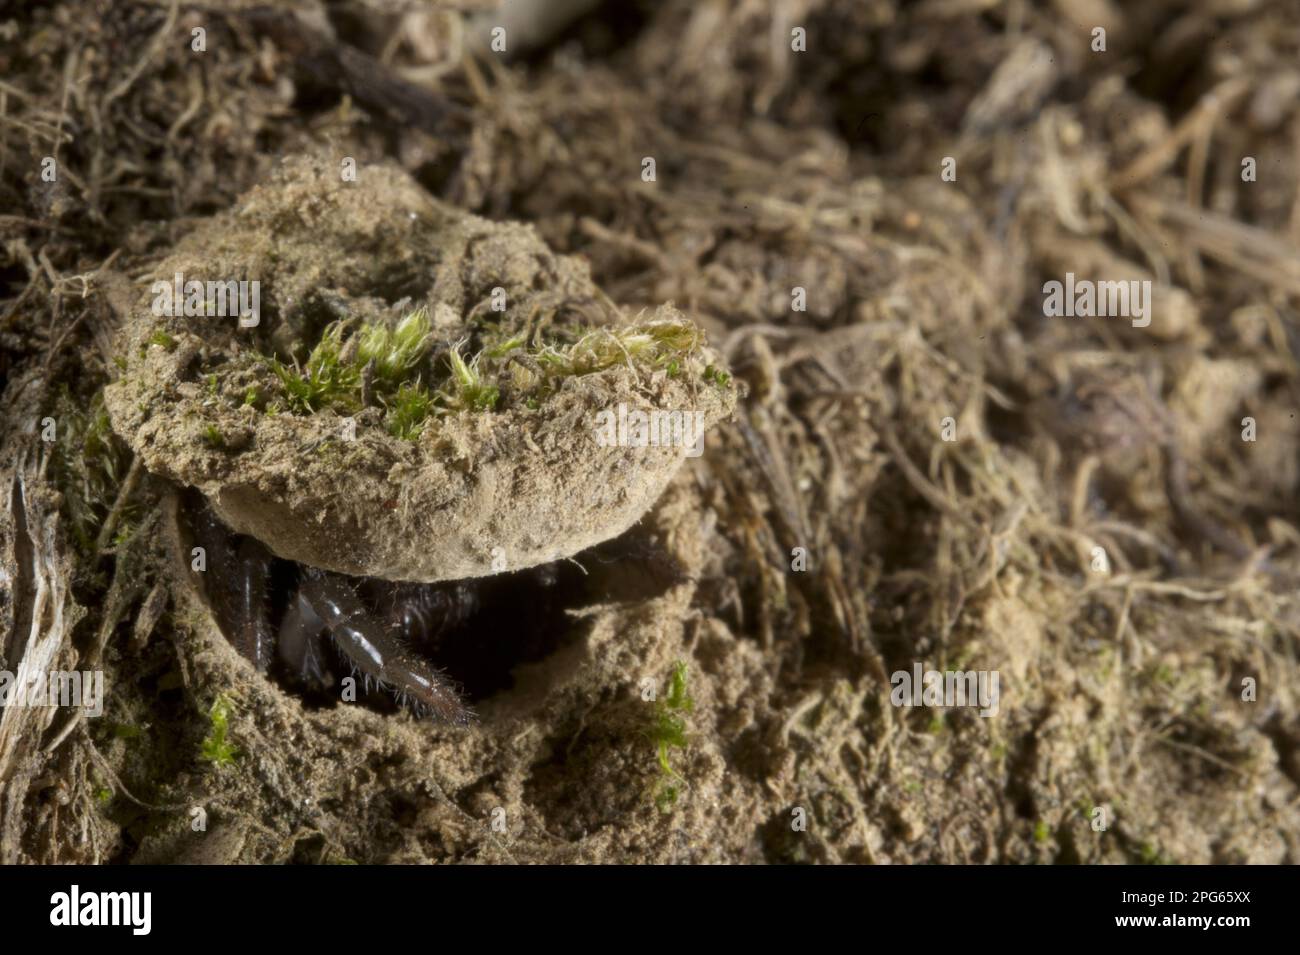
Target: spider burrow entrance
{"type": "Point", "coordinates": [437, 650]}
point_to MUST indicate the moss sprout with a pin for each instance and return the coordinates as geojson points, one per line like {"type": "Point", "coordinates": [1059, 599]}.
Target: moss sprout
{"type": "Point", "coordinates": [327, 380]}
{"type": "Point", "coordinates": [668, 732]}
{"type": "Point", "coordinates": [717, 376]}
{"type": "Point", "coordinates": [467, 388]}
{"type": "Point", "coordinates": [162, 340]}
{"type": "Point", "coordinates": [213, 437]}
{"type": "Point", "coordinates": [408, 411]}
{"type": "Point", "coordinates": [378, 364]}
{"type": "Point", "coordinates": [217, 749]}
{"type": "Point", "coordinates": [395, 352]}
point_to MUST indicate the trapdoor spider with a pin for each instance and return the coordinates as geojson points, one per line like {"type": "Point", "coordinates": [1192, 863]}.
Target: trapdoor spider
{"type": "Point", "coordinates": [298, 623]}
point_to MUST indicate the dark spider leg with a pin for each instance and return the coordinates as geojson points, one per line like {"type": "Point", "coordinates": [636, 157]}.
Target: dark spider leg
{"type": "Point", "coordinates": [235, 582]}
{"type": "Point", "coordinates": [375, 651]}
{"type": "Point", "coordinates": [300, 631]}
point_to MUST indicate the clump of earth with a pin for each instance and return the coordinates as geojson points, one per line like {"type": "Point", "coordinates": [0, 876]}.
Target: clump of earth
{"type": "Point", "coordinates": [906, 466]}
{"type": "Point", "coordinates": [505, 467]}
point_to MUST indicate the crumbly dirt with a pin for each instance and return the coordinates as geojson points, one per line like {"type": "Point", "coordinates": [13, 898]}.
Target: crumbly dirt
{"type": "Point", "coordinates": [476, 493]}
{"type": "Point", "coordinates": [922, 468]}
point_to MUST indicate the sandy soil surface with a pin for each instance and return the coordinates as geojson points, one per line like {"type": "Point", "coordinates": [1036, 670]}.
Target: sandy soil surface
{"type": "Point", "coordinates": [828, 228]}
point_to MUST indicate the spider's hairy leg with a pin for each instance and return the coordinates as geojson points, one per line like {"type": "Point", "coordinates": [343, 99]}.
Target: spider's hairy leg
{"type": "Point", "coordinates": [375, 651]}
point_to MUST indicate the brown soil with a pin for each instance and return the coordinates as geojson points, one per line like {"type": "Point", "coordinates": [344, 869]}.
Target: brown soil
{"type": "Point", "coordinates": [920, 467]}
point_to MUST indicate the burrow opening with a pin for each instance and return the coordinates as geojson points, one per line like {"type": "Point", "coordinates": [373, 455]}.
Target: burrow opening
{"type": "Point", "coordinates": [489, 626]}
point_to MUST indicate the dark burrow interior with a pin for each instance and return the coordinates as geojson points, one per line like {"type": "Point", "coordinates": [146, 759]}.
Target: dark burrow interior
{"type": "Point", "coordinates": [484, 628]}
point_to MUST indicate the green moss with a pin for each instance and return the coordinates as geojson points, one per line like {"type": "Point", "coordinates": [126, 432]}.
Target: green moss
{"type": "Point", "coordinates": [1151, 855]}
{"type": "Point", "coordinates": [88, 465]}
{"type": "Point", "coordinates": [217, 749]}
{"type": "Point", "coordinates": [213, 437]}
{"type": "Point", "coordinates": [410, 408]}
{"type": "Point", "coordinates": [162, 340]}
{"type": "Point", "coordinates": [327, 381]}
{"type": "Point", "coordinates": [505, 347]}
{"type": "Point", "coordinates": [650, 344]}
{"type": "Point", "coordinates": [126, 529]}
{"type": "Point", "coordinates": [467, 390]}
{"type": "Point", "coordinates": [395, 352]}
{"type": "Point", "coordinates": [125, 731]}
{"type": "Point", "coordinates": [383, 366]}
{"type": "Point", "coordinates": [378, 363]}
{"type": "Point", "coordinates": [1042, 832]}
{"type": "Point", "coordinates": [668, 732]}
{"type": "Point", "coordinates": [717, 376]}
